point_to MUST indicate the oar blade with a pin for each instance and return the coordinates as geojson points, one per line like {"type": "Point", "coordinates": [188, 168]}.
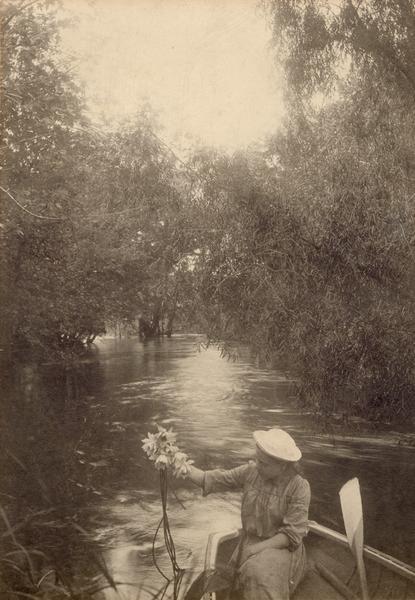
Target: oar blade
{"type": "Point", "coordinates": [351, 503]}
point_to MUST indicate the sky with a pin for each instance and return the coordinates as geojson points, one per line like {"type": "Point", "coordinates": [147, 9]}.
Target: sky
{"type": "Point", "coordinates": [205, 66]}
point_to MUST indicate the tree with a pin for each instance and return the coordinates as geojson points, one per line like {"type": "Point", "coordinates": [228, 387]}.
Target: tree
{"type": "Point", "coordinates": [319, 42]}
{"type": "Point", "coordinates": [43, 139]}
{"type": "Point", "coordinates": [139, 224]}
{"type": "Point", "coordinates": [93, 224]}
{"type": "Point", "coordinates": [318, 229]}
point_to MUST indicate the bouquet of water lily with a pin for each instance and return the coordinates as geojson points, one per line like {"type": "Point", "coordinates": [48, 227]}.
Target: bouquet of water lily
{"type": "Point", "coordinates": [161, 448]}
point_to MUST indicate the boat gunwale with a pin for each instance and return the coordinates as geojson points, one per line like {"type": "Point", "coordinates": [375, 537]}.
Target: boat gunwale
{"type": "Point", "coordinates": [213, 543]}
{"type": "Point", "coordinates": [387, 561]}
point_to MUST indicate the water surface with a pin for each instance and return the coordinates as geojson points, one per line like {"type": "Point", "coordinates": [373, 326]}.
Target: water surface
{"type": "Point", "coordinates": [78, 430]}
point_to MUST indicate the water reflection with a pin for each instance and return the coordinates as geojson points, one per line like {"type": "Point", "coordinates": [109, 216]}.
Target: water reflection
{"type": "Point", "coordinates": [77, 432]}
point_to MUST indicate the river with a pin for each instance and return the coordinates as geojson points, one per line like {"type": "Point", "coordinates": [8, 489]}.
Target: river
{"type": "Point", "coordinates": [72, 437]}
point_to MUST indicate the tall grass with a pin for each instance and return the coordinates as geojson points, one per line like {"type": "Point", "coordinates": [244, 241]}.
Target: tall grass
{"type": "Point", "coordinates": [37, 571]}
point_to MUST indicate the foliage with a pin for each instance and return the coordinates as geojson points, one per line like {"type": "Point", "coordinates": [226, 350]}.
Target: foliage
{"type": "Point", "coordinates": [92, 221]}
{"type": "Point", "coordinates": [43, 141]}
{"type": "Point", "coordinates": [138, 224]}
{"type": "Point", "coordinates": [46, 478]}
{"type": "Point", "coordinates": [319, 253]}
{"type": "Point", "coordinates": [319, 41]}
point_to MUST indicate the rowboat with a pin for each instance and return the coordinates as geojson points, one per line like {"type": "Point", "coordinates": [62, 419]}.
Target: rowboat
{"type": "Point", "coordinates": [332, 572]}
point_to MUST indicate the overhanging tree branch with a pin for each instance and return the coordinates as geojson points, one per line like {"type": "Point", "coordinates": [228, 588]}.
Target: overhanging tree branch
{"type": "Point", "coordinates": [26, 210]}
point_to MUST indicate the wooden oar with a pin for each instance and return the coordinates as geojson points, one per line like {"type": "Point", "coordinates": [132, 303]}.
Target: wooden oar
{"type": "Point", "coordinates": [335, 582]}
{"type": "Point", "coordinates": [351, 503]}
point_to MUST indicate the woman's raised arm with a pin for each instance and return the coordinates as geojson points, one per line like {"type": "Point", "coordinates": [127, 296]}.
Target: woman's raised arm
{"type": "Point", "coordinates": [196, 475]}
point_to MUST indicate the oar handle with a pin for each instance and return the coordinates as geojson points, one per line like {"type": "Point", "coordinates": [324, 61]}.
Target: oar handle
{"type": "Point", "coordinates": [362, 572]}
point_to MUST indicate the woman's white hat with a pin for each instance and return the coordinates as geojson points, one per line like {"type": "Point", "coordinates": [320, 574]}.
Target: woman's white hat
{"type": "Point", "coordinates": [278, 444]}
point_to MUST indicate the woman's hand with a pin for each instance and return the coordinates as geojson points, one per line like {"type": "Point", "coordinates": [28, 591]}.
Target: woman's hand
{"type": "Point", "coordinates": [278, 541]}
{"type": "Point", "coordinates": [250, 550]}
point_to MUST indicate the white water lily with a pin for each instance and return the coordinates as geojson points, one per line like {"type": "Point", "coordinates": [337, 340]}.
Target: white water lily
{"type": "Point", "coordinates": [161, 448]}
{"type": "Point", "coordinates": [150, 445]}
{"type": "Point", "coordinates": [180, 456]}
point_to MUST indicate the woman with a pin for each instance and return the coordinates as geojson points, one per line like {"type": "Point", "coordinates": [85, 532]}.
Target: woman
{"type": "Point", "coordinates": [271, 560]}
